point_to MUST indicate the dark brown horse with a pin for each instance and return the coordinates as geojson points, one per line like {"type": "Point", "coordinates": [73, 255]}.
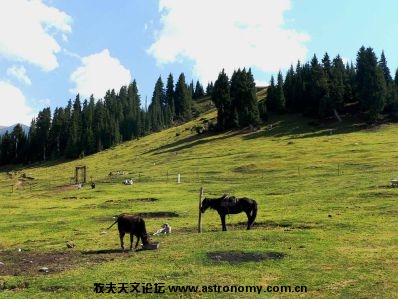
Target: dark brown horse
{"type": "Point", "coordinates": [231, 205]}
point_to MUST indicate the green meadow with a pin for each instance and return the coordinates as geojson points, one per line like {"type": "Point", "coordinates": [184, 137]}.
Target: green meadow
{"type": "Point", "coordinates": [327, 218]}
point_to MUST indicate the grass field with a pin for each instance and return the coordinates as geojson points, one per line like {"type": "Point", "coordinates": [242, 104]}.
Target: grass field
{"type": "Point", "coordinates": [327, 216]}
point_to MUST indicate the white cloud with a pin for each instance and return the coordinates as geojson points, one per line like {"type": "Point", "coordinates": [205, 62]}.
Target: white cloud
{"type": "Point", "coordinates": [27, 30]}
{"type": "Point", "coordinates": [13, 106]}
{"type": "Point", "coordinates": [19, 73]}
{"type": "Point", "coordinates": [98, 73]}
{"type": "Point", "coordinates": [227, 34]}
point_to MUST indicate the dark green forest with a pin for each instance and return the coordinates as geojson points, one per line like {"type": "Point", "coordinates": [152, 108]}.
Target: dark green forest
{"type": "Point", "coordinates": [316, 89]}
{"type": "Point", "coordinates": [89, 126]}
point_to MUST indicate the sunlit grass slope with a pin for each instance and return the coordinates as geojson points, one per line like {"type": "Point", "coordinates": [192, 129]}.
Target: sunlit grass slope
{"type": "Point", "coordinates": [327, 213]}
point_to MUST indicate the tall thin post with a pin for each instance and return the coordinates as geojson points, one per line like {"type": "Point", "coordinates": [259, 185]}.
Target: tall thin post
{"type": "Point", "coordinates": [200, 213]}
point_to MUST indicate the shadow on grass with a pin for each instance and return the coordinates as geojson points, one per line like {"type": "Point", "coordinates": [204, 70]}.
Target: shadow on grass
{"type": "Point", "coordinates": [106, 251]}
{"type": "Point", "coordinates": [192, 141]}
{"type": "Point", "coordinates": [236, 256]}
{"type": "Point", "coordinates": [115, 251]}
{"type": "Point", "coordinates": [298, 127]}
{"type": "Point", "coordinates": [160, 214]}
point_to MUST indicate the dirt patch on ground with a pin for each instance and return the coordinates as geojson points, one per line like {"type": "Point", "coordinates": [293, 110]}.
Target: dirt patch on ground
{"type": "Point", "coordinates": [65, 188]}
{"type": "Point", "coordinates": [242, 256]}
{"type": "Point", "coordinates": [29, 263]}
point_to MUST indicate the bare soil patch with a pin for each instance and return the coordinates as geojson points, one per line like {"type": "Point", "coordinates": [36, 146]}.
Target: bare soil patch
{"type": "Point", "coordinates": [65, 188]}
{"type": "Point", "coordinates": [29, 263]}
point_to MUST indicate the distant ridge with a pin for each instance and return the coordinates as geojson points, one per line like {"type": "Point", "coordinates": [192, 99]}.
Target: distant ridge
{"type": "Point", "coordinates": [4, 129]}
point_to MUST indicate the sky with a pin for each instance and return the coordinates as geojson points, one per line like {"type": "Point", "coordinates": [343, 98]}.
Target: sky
{"type": "Point", "coordinates": [52, 50]}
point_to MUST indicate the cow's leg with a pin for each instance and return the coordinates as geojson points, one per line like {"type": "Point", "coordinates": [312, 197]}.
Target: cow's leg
{"type": "Point", "coordinates": [138, 240]}
{"type": "Point", "coordinates": [224, 227]}
{"type": "Point", "coordinates": [121, 234]}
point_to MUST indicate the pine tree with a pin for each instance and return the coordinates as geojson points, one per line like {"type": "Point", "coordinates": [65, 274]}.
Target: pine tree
{"type": "Point", "coordinates": [199, 91]}
{"type": "Point", "coordinates": [19, 143]}
{"type": "Point", "coordinates": [391, 90]}
{"type": "Point", "coordinates": [280, 101]}
{"type": "Point", "coordinates": [74, 144]}
{"type": "Point", "coordinates": [134, 119]}
{"type": "Point", "coordinates": [155, 110]}
{"type": "Point", "coordinates": [170, 97]}
{"type": "Point", "coordinates": [43, 123]}
{"type": "Point", "coordinates": [221, 97]}
{"type": "Point", "coordinates": [385, 69]}
{"type": "Point", "coordinates": [183, 100]}
{"type": "Point", "coordinates": [6, 149]}
{"type": "Point", "coordinates": [318, 89]}
{"type": "Point", "coordinates": [99, 125]}
{"type": "Point", "coordinates": [371, 83]}
{"type": "Point", "coordinates": [209, 88]}
{"type": "Point", "coordinates": [326, 65]}
{"type": "Point", "coordinates": [88, 142]}
{"type": "Point", "coordinates": [337, 88]}
{"type": "Point", "coordinates": [289, 88]}
{"type": "Point", "coordinates": [56, 133]}
{"type": "Point", "coordinates": [298, 90]}
{"type": "Point", "coordinates": [271, 95]}
{"type": "Point", "coordinates": [396, 78]}
{"type": "Point", "coordinates": [254, 115]}
{"type": "Point", "coordinates": [191, 88]}
{"type": "Point", "coordinates": [244, 98]}
{"type": "Point", "coordinates": [350, 84]}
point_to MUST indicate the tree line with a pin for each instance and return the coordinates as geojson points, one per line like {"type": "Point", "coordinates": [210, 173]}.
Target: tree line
{"type": "Point", "coordinates": [318, 89]}
{"type": "Point", "coordinates": [328, 88]}
{"type": "Point", "coordinates": [89, 126]}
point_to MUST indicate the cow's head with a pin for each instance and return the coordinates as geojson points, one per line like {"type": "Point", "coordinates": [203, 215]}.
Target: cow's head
{"type": "Point", "coordinates": [145, 239]}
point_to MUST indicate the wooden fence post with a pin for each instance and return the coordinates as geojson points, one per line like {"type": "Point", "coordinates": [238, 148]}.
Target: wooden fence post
{"type": "Point", "coordinates": [200, 213]}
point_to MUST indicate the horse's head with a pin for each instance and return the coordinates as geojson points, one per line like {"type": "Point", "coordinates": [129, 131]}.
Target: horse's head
{"type": "Point", "coordinates": [204, 205]}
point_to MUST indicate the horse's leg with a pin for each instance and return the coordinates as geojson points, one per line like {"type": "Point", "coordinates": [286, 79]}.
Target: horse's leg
{"type": "Point", "coordinates": [121, 235]}
{"type": "Point", "coordinates": [251, 216]}
{"type": "Point", "coordinates": [131, 240]}
{"type": "Point", "coordinates": [248, 219]}
{"type": "Point", "coordinates": [224, 227]}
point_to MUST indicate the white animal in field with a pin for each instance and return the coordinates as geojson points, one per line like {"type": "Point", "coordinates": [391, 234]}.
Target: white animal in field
{"type": "Point", "coordinates": [165, 229]}
{"type": "Point", "coordinates": [128, 182]}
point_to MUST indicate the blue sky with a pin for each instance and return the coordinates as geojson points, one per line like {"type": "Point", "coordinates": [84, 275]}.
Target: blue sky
{"type": "Point", "coordinates": [50, 50]}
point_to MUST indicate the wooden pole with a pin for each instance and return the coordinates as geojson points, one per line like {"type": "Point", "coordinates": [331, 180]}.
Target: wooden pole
{"type": "Point", "coordinates": [84, 174]}
{"type": "Point", "coordinates": [200, 213]}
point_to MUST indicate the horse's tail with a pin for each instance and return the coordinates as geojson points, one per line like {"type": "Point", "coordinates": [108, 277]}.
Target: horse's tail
{"type": "Point", "coordinates": [253, 213]}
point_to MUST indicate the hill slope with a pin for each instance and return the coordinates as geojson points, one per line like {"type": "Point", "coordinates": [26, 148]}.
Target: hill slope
{"type": "Point", "coordinates": [326, 216]}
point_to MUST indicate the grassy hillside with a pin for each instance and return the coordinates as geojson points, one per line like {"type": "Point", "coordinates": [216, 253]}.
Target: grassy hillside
{"type": "Point", "coordinates": [326, 221]}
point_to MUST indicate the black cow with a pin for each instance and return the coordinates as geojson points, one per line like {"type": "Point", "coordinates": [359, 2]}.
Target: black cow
{"type": "Point", "coordinates": [133, 225]}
